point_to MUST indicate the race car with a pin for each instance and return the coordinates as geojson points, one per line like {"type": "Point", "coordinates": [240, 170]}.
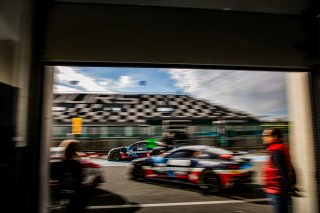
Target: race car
{"type": "Point", "coordinates": [143, 148]}
{"type": "Point", "coordinates": [208, 167]}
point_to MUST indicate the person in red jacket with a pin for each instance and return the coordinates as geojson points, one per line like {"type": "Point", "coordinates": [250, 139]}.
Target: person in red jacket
{"type": "Point", "coordinates": [278, 173]}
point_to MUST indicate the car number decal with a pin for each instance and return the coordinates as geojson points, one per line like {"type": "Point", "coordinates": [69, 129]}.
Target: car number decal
{"type": "Point", "coordinates": [173, 162]}
{"type": "Point", "coordinates": [209, 163]}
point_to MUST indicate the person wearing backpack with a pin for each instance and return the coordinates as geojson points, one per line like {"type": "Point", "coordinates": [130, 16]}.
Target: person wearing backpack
{"type": "Point", "coordinates": [278, 173]}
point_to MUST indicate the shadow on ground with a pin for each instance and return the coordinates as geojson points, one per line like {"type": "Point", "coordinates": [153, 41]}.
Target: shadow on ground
{"type": "Point", "coordinates": [105, 201]}
{"type": "Point", "coordinates": [238, 192]}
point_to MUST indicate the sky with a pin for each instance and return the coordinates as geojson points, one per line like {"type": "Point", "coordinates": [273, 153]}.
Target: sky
{"type": "Point", "coordinates": [261, 94]}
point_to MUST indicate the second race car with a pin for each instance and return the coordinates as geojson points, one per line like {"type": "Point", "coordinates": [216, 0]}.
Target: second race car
{"type": "Point", "coordinates": [143, 148]}
{"type": "Point", "coordinates": [208, 167]}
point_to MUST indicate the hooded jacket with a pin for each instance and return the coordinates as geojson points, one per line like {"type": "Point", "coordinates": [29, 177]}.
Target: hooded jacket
{"type": "Point", "coordinates": [278, 173]}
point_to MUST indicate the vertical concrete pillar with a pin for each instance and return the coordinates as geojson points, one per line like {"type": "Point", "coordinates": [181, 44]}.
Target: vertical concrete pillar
{"type": "Point", "coordinates": [302, 141]}
{"type": "Point", "coordinates": [46, 139]}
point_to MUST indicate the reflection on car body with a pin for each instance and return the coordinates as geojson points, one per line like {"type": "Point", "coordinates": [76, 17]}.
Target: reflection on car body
{"type": "Point", "coordinates": [209, 167]}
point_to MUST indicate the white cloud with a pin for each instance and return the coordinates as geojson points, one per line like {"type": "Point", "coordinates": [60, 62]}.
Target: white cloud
{"type": "Point", "coordinates": [258, 93]}
{"type": "Point", "coordinates": [66, 75]}
{"type": "Point", "coordinates": [68, 79]}
{"type": "Point", "coordinates": [126, 81]}
{"type": "Point", "coordinates": [60, 88]}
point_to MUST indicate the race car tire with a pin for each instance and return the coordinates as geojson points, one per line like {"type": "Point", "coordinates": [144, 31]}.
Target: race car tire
{"type": "Point", "coordinates": [155, 152]}
{"type": "Point", "coordinates": [209, 182]}
{"type": "Point", "coordinates": [115, 156]}
{"type": "Point", "coordinates": [138, 173]}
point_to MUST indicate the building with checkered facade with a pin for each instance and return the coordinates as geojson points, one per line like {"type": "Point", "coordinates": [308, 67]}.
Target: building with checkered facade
{"type": "Point", "coordinates": [128, 117]}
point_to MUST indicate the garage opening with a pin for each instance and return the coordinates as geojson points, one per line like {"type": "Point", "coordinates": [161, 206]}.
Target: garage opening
{"type": "Point", "coordinates": [120, 107]}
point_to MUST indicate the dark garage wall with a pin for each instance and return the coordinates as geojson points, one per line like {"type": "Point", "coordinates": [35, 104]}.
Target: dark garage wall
{"type": "Point", "coordinates": [111, 33]}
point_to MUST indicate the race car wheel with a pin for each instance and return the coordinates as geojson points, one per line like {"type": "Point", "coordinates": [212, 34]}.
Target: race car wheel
{"type": "Point", "coordinates": [209, 182]}
{"type": "Point", "coordinates": [115, 156]}
{"type": "Point", "coordinates": [155, 152]}
{"type": "Point", "coordinates": [138, 173]}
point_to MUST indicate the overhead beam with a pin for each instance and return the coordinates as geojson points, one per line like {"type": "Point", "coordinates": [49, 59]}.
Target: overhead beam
{"type": "Point", "coordinates": [132, 34]}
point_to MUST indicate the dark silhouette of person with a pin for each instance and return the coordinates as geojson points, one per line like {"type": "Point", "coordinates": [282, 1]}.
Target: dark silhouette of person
{"type": "Point", "coordinates": [71, 177]}
{"type": "Point", "coordinates": [167, 139]}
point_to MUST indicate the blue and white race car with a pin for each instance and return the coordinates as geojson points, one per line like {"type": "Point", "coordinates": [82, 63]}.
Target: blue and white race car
{"type": "Point", "coordinates": [208, 167]}
{"type": "Point", "coordinates": [143, 148]}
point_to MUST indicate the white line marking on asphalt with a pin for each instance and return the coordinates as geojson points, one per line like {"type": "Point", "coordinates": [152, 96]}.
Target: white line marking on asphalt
{"type": "Point", "coordinates": [238, 198]}
{"type": "Point", "coordinates": [177, 204]}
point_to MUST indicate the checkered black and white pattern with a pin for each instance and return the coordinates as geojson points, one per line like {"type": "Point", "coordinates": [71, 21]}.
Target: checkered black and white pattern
{"type": "Point", "coordinates": [126, 108]}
